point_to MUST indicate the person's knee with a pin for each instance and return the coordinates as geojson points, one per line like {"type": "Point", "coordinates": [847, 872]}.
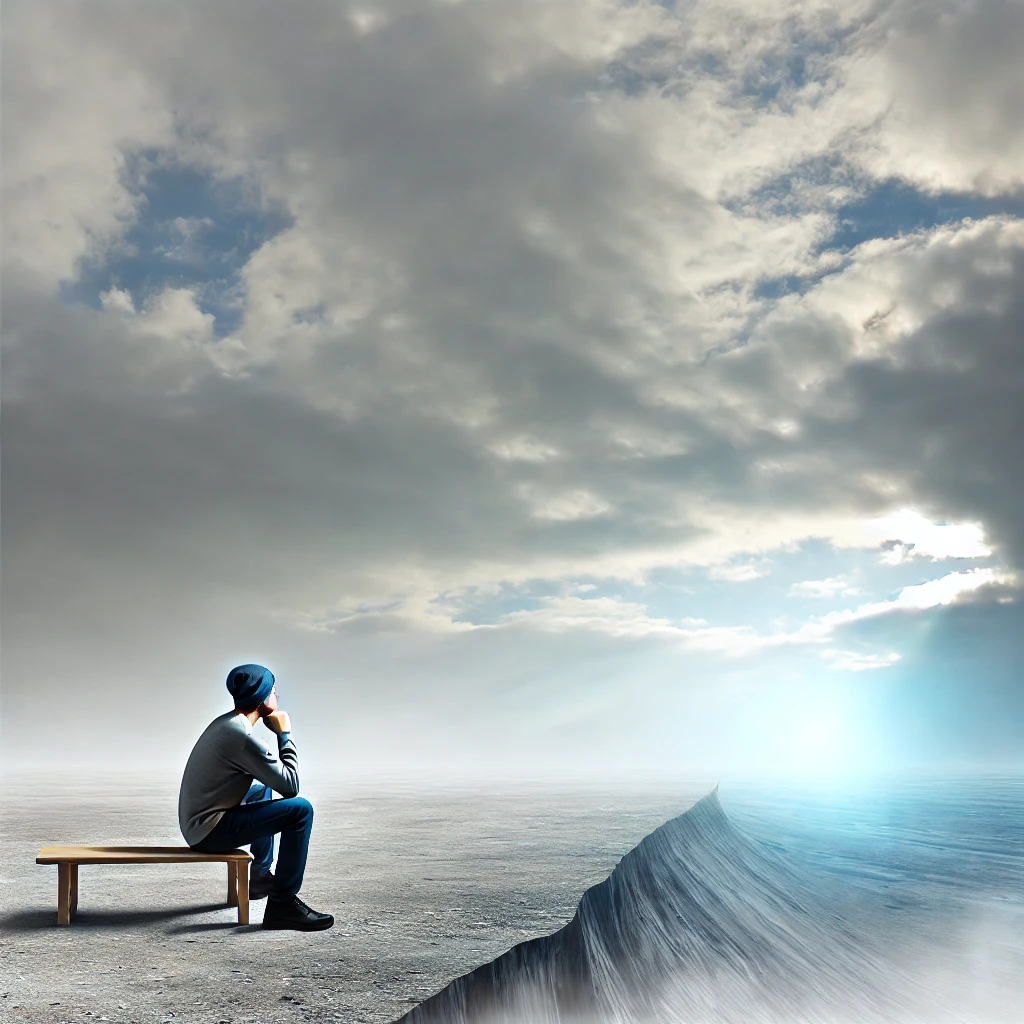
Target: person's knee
{"type": "Point", "coordinates": [303, 808]}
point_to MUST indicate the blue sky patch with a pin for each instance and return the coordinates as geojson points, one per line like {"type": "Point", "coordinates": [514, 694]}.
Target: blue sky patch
{"type": "Point", "coordinates": [881, 209]}
{"type": "Point", "coordinates": [776, 287]}
{"type": "Point", "coordinates": [192, 231]}
{"type": "Point", "coordinates": [892, 208]}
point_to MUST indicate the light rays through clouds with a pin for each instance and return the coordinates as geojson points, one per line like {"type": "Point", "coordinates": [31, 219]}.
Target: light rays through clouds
{"type": "Point", "coordinates": [612, 385]}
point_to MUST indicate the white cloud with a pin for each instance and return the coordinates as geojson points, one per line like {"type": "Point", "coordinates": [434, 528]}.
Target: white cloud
{"type": "Point", "coordinates": [174, 316]}
{"type": "Point", "coordinates": [834, 586]}
{"type": "Point", "coordinates": [851, 661]}
{"type": "Point", "coordinates": [604, 614]}
{"type": "Point", "coordinates": [921, 537]}
{"type": "Point", "coordinates": [524, 449]}
{"type": "Point", "coordinates": [959, 137]}
{"type": "Point", "coordinates": [117, 300]}
{"type": "Point", "coordinates": [561, 505]}
{"type": "Point", "coordinates": [947, 589]}
{"type": "Point", "coordinates": [73, 107]}
{"type": "Point", "coordinates": [617, 617]}
{"type": "Point", "coordinates": [740, 573]}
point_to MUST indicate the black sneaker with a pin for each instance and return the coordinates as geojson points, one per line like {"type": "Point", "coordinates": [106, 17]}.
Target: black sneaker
{"type": "Point", "coordinates": [259, 888]}
{"type": "Point", "coordinates": [294, 914]}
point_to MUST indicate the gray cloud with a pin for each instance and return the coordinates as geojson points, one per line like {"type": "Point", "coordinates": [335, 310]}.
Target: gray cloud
{"type": "Point", "coordinates": [512, 334]}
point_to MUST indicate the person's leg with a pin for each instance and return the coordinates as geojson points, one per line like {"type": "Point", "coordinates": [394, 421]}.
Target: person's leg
{"type": "Point", "coordinates": [292, 850]}
{"type": "Point", "coordinates": [257, 791]}
{"type": "Point", "coordinates": [293, 820]}
{"type": "Point", "coordinates": [251, 822]}
{"type": "Point", "coordinates": [262, 849]}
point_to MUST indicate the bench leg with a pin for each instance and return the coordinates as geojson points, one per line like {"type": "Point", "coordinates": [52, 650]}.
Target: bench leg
{"type": "Point", "coordinates": [232, 883]}
{"type": "Point", "coordinates": [74, 891]}
{"type": "Point", "coordinates": [63, 894]}
{"type": "Point", "coordinates": [243, 891]}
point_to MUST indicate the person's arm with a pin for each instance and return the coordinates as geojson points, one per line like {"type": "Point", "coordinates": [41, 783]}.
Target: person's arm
{"type": "Point", "coordinates": [280, 773]}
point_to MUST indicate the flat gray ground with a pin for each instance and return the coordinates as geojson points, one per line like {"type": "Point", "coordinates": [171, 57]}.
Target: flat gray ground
{"type": "Point", "coordinates": [425, 884]}
{"type": "Point", "coordinates": [428, 883]}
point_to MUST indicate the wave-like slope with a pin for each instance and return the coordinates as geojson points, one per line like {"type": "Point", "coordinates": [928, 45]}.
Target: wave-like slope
{"type": "Point", "coordinates": [696, 923]}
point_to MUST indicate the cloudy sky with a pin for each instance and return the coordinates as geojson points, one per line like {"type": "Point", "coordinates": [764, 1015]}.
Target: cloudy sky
{"type": "Point", "coordinates": [558, 384]}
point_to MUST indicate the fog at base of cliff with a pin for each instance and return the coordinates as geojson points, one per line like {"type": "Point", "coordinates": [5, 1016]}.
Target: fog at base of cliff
{"type": "Point", "coordinates": [901, 902]}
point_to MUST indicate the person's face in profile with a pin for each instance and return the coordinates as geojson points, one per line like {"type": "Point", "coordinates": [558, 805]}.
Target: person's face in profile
{"type": "Point", "coordinates": [270, 704]}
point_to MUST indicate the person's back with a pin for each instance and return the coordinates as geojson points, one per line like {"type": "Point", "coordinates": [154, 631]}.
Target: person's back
{"type": "Point", "coordinates": [220, 771]}
{"type": "Point", "coordinates": [226, 798]}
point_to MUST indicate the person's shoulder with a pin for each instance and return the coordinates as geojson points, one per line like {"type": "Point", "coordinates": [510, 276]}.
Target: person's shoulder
{"type": "Point", "coordinates": [229, 722]}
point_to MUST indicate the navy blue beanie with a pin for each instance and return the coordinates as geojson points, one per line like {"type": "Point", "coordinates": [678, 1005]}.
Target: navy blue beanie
{"type": "Point", "coordinates": [250, 685]}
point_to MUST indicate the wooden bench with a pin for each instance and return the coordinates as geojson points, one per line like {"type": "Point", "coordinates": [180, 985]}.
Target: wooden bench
{"type": "Point", "coordinates": [68, 858]}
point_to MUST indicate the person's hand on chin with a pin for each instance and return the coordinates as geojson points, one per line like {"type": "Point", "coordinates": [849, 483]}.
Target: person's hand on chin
{"type": "Point", "coordinates": [278, 721]}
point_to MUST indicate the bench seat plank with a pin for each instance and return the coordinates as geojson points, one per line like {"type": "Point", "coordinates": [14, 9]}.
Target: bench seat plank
{"type": "Point", "coordinates": [133, 855]}
{"type": "Point", "coordinates": [68, 858]}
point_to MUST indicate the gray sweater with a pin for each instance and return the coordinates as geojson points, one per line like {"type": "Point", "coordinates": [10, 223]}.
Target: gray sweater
{"type": "Point", "coordinates": [221, 768]}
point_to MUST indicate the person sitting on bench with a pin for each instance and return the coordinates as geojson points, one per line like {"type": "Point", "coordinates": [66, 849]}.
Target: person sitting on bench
{"type": "Point", "coordinates": [226, 798]}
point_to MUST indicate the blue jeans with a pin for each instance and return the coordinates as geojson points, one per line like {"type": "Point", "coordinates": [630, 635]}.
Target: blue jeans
{"type": "Point", "coordinates": [254, 823]}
